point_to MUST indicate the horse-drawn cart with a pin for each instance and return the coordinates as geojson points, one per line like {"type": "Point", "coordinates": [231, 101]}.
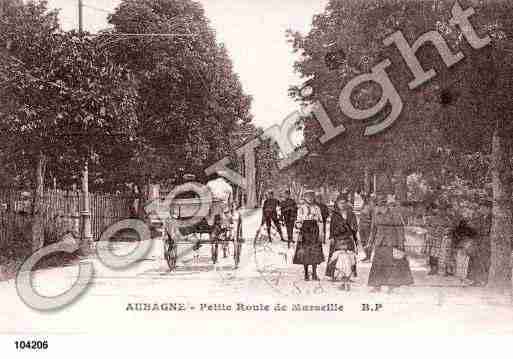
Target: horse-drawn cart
{"type": "Point", "coordinates": [221, 227]}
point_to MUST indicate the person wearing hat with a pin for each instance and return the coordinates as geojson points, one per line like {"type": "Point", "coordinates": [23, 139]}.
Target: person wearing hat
{"type": "Point", "coordinates": [270, 215]}
{"type": "Point", "coordinates": [289, 213]}
{"type": "Point", "coordinates": [350, 217]}
{"type": "Point", "coordinates": [390, 267]}
{"type": "Point", "coordinates": [346, 206]}
{"type": "Point", "coordinates": [309, 248]}
{"type": "Point", "coordinates": [341, 235]}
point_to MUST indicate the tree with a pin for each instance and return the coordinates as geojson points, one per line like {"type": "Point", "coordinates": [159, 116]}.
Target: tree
{"type": "Point", "coordinates": [459, 111]}
{"type": "Point", "coordinates": [481, 120]}
{"type": "Point", "coordinates": [191, 100]}
{"type": "Point", "coordinates": [63, 101]}
{"type": "Point", "coordinates": [397, 150]}
{"type": "Point", "coordinates": [267, 170]}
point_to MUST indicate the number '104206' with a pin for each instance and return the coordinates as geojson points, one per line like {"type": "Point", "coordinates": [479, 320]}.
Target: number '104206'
{"type": "Point", "coordinates": [31, 344]}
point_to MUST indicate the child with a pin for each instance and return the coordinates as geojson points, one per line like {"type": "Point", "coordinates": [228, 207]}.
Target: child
{"type": "Point", "coordinates": [344, 260]}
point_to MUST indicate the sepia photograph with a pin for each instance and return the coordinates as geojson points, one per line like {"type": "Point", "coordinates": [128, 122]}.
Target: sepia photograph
{"type": "Point", "coordinates": [255, 168]}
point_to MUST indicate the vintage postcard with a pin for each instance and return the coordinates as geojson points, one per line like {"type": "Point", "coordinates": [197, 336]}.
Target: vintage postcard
{"type": "Point", "coordinates": [257, 168]}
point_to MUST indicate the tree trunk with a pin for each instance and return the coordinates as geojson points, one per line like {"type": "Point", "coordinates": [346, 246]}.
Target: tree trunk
{"type": "Point", "coordinates": [502, 229]}
{"type": "Point", "coordinates": [37, 221]}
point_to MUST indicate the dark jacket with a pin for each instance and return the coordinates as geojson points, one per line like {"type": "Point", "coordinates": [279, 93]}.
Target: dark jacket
{"type": "Point", "coordinates": [289, 210]}
{"type": "Point", "coordinates": [270, 207]}
{"type": "Point", "coordinates": [352, 221]}
{"type": "Point", "coordinates": [340, 230]}
{"type": "Point", "coordinates": [342, 235]}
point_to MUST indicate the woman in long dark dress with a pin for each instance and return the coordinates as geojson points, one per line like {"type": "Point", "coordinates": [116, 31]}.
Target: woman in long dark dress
{"type": "Point", "coordinates": [388, 268]}
{"type": "Point", "coordinates": [309, 247]}
{"type": "Point", "coordinates": [340, 233]}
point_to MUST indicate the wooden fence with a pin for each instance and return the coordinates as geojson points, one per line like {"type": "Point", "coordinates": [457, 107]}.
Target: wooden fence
{"type": "Point", "coordinates": [107, 209]}
{"type": "Point", "coordinates": [60, 208]}
{"type": "Point", "coordinates": [12, 217]}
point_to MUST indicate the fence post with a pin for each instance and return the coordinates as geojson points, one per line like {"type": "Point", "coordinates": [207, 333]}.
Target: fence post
{"type": "Point", "coordinates": [75, 210]}
{"type": "Point", "coordinates": [87, 237]}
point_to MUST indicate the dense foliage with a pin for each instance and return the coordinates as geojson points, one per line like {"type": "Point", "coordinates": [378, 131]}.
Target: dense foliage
{"type": "Point", "coordinates": [147, 106]}
{"type": "Point", "coordinates": [454, 131]}
{"type": "Point", "coordinates": [190, 98]}
{"type": "Point", "coordinates": [62, 98]}
{"type": "Point", "coordinates": [426, 123]}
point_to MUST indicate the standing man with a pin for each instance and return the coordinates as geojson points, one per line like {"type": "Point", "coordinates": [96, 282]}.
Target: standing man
{"type": "Point", "coordinates": [289, 212]}
{"type": "Point", "coordinates": [270, 215]}
{"type": "Point", "coordinates": [325, 213]}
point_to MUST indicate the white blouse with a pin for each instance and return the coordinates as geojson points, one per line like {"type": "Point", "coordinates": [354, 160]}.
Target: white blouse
{"type": "Point", "coordinates": [308, 212]}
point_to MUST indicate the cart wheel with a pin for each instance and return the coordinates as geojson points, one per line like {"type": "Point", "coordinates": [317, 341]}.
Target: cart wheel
{"type": "Point", "coordinates": [215, 249]}
{"type": "Point", "coordinates": [170, 253]}
{"type": "Point", "coordinates": [237, 244]}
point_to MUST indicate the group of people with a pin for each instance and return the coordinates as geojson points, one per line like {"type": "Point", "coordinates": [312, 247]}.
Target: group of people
{"type": "Point", "coordinates": [380, 230]}
{"type": "Point", "coordinates": [289, 210]}
{"type": "Point", "coordinates": [459, 247]}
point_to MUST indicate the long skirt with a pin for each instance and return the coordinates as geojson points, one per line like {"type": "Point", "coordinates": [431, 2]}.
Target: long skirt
{"type": "Point", "coordinates": [309, 247]}
{"type": "Point", "coordinates": [386, 270]}
{"type": "Point", "coordinates": [335, 245]}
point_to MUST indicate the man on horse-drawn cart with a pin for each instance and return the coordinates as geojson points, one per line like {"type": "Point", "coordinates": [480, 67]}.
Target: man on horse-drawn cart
{"type": "Point", "coordinates": [219, 227]}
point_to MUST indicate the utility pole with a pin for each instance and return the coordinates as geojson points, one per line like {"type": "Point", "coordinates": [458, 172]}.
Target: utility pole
{"type": "Point", "coordinates": [87, 237]}
{"type": "Point", "coordinates": [80, 16]}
